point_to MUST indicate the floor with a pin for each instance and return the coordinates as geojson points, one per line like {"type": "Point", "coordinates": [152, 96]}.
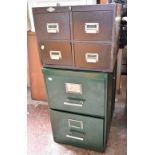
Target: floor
{"type": "Point", "coordinates": [39, 132]}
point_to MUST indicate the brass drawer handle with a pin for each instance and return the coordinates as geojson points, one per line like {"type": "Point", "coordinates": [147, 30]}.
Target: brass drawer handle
{"type": "Point", "coordinates": [91, 27]}
{"type": "Point", "coordinates": [52, 27]}
{"type": "Point", "coordinates": [55, 55]}
{"type": "Point", "coordinates": [74, 104]}
{"type": "Point", "coordinates": [91, 57]}
{"type": "Point", "coordinates": [74, 137]}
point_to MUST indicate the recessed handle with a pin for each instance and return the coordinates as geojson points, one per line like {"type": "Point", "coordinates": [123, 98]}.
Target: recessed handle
{"type": "Point", "coordinates": [55, 55]}
{"type": "Point", "coordinates": [74, 137]}
{"type": "Point", "coordinates": [91, 57]}
{"type": "Point", "coordinates": [91, 27]}
{"type": "Point", "coordinates": [80, 104]}
{"type": "Point", "coordinates": [53, 27]}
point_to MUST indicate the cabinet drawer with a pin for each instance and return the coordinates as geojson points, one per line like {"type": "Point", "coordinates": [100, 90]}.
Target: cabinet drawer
{"type": "Point", "coordinates": [93, 25]}
{"type": "Point", "coordinates": [56, 53]}
{"type": "Point", "coordinates": [52, 25]}
{"type": "Point", "coordinates": [78, 130]}
{"type": "Point", "coordinates": [92, 55]}
{"type": "Point", "coordinates": [75, 91]}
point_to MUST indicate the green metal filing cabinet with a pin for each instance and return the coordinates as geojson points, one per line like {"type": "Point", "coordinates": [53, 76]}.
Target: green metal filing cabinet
{"type": "Point", "coordinates": [80, 104]}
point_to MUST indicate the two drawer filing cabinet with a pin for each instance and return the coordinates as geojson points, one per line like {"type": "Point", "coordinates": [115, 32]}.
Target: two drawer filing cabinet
{"type": "Point", "coordinates": [78, 50]}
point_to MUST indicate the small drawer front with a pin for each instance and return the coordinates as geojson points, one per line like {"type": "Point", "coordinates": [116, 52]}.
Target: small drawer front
{"type": "Point", "coordinates": [51, 26]}
{"type": "Point", "coordinates": [79, 92]}
{"type": "Point", "coordinates": [77, 130]}
{"type": "Point", "coordinates": [92, 55]}
{"type": "Point", "coordinates": [94, 25]}
{"type": "Point", "coordinates": [56, 53]}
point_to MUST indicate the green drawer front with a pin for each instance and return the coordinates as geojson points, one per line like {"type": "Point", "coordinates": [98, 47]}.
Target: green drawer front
{"type": "Point", "coordinates": [77, 130]}
{"type": "Point", "coordinates": [80, 92]}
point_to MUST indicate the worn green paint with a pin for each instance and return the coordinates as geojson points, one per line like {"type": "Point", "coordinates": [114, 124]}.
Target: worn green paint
{"type": "Point", "coordinates": [92, 132]}
{"type": "Point", "coordinates": [93, 91]}
{"type": "Point", "coordinates": [77, 73]}
{"type": "Point", "coordinates": [98, 96]}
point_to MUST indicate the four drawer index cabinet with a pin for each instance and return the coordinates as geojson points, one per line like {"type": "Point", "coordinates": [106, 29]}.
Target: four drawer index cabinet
{"type": "Point", "coordinates": [78, 49]}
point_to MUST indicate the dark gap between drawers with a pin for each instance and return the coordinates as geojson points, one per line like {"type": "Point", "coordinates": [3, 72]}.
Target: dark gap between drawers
{"type": "Point", "coordinates": [96, 116]}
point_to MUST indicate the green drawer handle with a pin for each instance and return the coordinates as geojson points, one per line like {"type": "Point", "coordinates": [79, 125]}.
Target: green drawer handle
{"type": "Point", "coordinates": [74, 137]}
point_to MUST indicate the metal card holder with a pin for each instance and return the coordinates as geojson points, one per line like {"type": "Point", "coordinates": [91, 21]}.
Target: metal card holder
{"type": "Point", "coordinates": [92, 28]}
{"type": "Point", "coordinates": [52, 27]}
{"type": "Point", "coordinates": [73, 88]}
{"type": "Point", "coordinates": [75, 124]}
{"type": "Point", "coordinates": [91, 57]}
{"type": "Point", "coordinates": [55, 55]}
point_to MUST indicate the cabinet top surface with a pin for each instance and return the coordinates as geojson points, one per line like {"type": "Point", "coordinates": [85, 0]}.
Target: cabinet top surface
{"type": "Point", "coordinates": [97, 7]}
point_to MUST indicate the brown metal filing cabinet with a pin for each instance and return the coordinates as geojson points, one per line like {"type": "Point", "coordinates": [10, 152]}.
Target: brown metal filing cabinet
{"type": "Point", "coordinates": [94, 27]}
{"type": "Point", "coordinates": [78, 50]}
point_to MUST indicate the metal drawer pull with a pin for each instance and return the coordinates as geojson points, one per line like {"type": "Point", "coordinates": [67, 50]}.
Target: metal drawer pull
{"type": "Point", "coordinates": [73, 137]}
{"type": "Point", "coordinates": [91, 57]}
{"type": "Point", "coordinates": [75, 124]}
{"type": "Point", "coordinates": [55, 55]}
{"type": "Point", "coordinates": [91, 27]}
{"type": "Point", "coordinates": [73, 88]}
{"type": "Point", "coordinates": [74, 104]}
{"type": "Point", "coordinates": [52, 27]}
